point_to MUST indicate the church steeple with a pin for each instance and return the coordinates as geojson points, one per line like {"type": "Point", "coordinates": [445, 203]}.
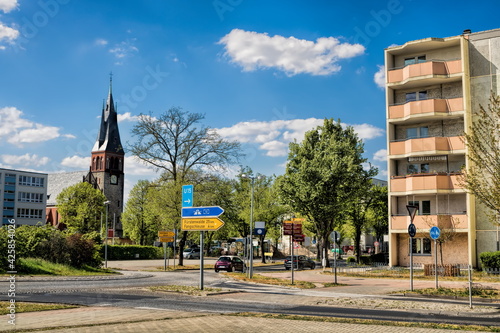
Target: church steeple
{"type": "Point", "coordinates": [108, 138]}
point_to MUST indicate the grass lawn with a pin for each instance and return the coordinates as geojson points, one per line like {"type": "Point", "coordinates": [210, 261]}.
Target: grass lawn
{"type": "Point", "coordinates": [36, 266]}
{"type": "Point", "coordinates": [31, 307]}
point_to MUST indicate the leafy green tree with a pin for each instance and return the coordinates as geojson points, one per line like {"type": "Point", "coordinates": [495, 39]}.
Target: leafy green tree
{"type": "Point", "coordinates": [136, 224]}
{"type": "Point", "coordinates": [80, 207]}
{"type": "Point", "coordinates": [482, 175]}
{"type": "Point", "coordinates": [378, 215]}
{"type": "Point", "coordinates": [322, 174]}
{"type": "Point", "coordinates": [177, 144]}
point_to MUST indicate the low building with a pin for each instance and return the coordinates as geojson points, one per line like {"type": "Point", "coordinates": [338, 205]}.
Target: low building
{"type": "Point", "coordinates": [24, 196]}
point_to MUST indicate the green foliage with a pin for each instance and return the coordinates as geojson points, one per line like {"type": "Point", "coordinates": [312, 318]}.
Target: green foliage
{"type": "Point", "coordinates": [490, 259]}
{"type": "Point", "coordinates": [80, 207]}
{"type": "Point", "coordinates": [83, 251]}
{"type": "Point", "coordinates": [350, 260]}
{"type": "Point", "coordinates": [42, 266]}
{"type": "Point", "coordinates": [128, 252]}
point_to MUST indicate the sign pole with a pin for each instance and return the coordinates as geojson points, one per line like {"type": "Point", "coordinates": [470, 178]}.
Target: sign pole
{"type": "Point", "coordinates": [201, 259]}
{"type": "Point", "coordinates": [436, 262]}
{"type": "Point", "coordinates": [293, 259]}
{"type": "Point", "coordinates": [175, 243]}
{"type": "Point", "coordinates": [411, 263]}
{"type": "Point", "coordinates": [165, 256]}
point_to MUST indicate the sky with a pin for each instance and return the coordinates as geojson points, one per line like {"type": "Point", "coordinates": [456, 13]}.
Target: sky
{"type": "Point", "coordinates": [262, 72]}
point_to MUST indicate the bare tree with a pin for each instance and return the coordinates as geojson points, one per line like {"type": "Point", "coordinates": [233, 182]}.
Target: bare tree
{"type": "Point", "coordinates": [482, 176]}
{"type": "Point", "coordinates": [176, 144]}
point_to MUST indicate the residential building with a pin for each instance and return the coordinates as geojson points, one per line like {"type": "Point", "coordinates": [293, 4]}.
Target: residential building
{"type": "Point", "coordinates": [23, 195]}
{"type": "Point", "coordinates": [433, 86]}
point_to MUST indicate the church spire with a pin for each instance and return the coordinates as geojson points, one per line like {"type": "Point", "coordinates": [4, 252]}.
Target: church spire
{"type": "Point", "coordinates": [108, 138]}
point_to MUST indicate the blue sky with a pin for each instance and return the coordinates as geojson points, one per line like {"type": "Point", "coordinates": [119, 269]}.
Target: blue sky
{"type": "Point", "coordinates": [262, 72]}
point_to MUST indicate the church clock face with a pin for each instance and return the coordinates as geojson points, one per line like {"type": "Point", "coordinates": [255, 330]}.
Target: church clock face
{"type": "Point", "coordinates": [114, 179]}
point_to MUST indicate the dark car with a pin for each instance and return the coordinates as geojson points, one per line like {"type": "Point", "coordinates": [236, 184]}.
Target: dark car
{"type": "Point", "coordinates": [230, 263]}
{"type": "Point", "coordinates": [300, 262]}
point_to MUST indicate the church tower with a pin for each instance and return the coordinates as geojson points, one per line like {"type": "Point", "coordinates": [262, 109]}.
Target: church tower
{"type": "Point", "coordinates": [107, 163]}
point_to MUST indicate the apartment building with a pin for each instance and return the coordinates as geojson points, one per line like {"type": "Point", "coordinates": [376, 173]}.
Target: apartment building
{"type": "Point", "coordinates": [23, 195]}
{"type": "Point", "coordinates": [432, 87]}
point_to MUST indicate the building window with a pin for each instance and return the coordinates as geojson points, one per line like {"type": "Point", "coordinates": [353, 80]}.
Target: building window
{"type": "Point", "coordinates": [29, 213]}
{"type": "Point", "coordinates": [416, 96]}
{"type": "Point", "coordinates": [420, 246]}
{"type": "Point", "coordinates": [31, 181]}
{"type": "Point", "coordinates": [10, 179]}
{"type": "Point", "coordinates": [417, 168]}
{"type": "Point", "coordinates": [30, 197]}
{"type": "Point", "coordinates": [414, 60]}
{"type": "Point", "coordinates": [422, 209]}
{"type": "Point", "coordinates": [417, 132]}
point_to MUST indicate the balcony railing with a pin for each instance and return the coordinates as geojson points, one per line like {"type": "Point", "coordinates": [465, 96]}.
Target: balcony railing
{"type": "Point", "coordinates": [432, 144]}
{"type": "Point", "coordinates": [426, 107]}
{"type": "Point", "coordinates": [424, 69]}
{"type": "Point", "coordinates": [425, 222]}
{"type": "Point", "coordinates": [426, 183]}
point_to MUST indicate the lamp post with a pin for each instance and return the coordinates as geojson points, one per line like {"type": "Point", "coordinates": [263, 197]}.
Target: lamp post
{"type": "Point", "coordinates": [106, 204]}
{"type": "Point", "coordinates": [412, 210]}
{"type": "Point", "coordinates": [252, 182]}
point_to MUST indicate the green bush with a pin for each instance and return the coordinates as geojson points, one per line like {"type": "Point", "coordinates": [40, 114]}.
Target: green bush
{"type": "Point", "coordinates": [127, 252]}
{"type": "Point", "coordinates": [351, 260]}
{"type": "Point", "coordinates": [490, 259]}
{"type": "Point", "coordinates": [366, 260]}
{"type": "Point", "coordinates": [83, 252]}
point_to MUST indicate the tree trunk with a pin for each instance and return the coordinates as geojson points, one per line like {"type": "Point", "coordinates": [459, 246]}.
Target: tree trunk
{"type": "Point", "coordinates": [182, 243]}
{"type": "Point", "coordinates": [357, 246]}
{"type": "Point", "coordinates": [262, 249]}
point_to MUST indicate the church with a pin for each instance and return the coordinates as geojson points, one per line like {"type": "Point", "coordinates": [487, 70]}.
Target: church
{"type": "Point", "coordinates": [106, 171]}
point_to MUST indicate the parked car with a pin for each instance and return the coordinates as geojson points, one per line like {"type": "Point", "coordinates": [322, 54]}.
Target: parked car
{"type": "Point", "coordinates": [191, 253]}
{"type": "Point", "coordinates": [299, 262]}
{"type": "Point", "coordinates": [230, 263]}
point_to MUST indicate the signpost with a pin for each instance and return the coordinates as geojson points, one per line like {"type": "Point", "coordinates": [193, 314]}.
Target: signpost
{"type": "Point", "coordinates": [201, 224]}
{"type": "Point", "coordinates": [166, 237]}
{"type": "Point", "coordinates": [435, 233]}
{"type": "Point", "coordinates": [334, 235]}
{"type": "Point", "coordinates": [187, 195]}
{"type": "Point", "coordinates": [212, 211]}
{"type": "Point", "coordinates": [412, 231]}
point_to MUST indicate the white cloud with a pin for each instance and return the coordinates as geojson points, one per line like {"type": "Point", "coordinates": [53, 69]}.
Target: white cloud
{"type": "Point", "coordinates": [273, 137]}
{"type": "Point", "coordinates": [124, 49]}
{"type": "Point", "coordinates": [8, 5]}
{"type": "Point", "coordinates": [101, 42]}
{"type": "Point", "coordinates": [25, 160]}
{"type": "Point", "coordinates": [127, 116]}
{"type": "Point", "coordinates": [77, 162]}
{"type": "Point", "coordinates": [16, 130]}
{"type": "Point", "coordinates": [134, 166]}
{"type": "Point", "coordinates": [8, 34]}
{"type": "Point", "coordinates": [379, 77]}
{"type": "Point", "coordinates": [252, 50]}
{"type": "Point", "coordinates": [380, 155]}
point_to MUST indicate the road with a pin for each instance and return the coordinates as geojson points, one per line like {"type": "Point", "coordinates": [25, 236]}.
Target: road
{"type": "Point", "coordinates": [129, 291]}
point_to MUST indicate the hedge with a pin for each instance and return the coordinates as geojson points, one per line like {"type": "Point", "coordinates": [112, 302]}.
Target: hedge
{"type": "Point", "coordinates": [490, 259]}
{"type": "Point", "coordinates": [128, 252]}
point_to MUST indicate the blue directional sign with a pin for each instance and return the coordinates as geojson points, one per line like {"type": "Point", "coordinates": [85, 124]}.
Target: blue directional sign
{"type": "Point", "coordinates": [435, 232]}
{"type": "Point", "coordinates": [259, 231]}
{"type": "Point", "coordinates": [213, 211]}
{"type": "Point", "coordinates": [187, 196]}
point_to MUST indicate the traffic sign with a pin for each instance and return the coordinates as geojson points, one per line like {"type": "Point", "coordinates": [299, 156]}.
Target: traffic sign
{"type": "Point", "coordinates": [435, 232]}
{"type": "Point", "coordinates": [212, 211]}
{"type": "Point", "coordinates": [334, 236]}
{"type": "Point", "coordinates": [287, 228]}
{"type": "Point", "coordinates": [201, 224]}
{"type": "Point", "coordinates": [166, 234]}
{"type": "Point", "coordinates": [412, 230]}
{"type": "Point", "coordinates": [187, 195]}
{"type": "Point", "coordinates": [298, 238]}
{"type": "Point", "coordinates": [166, 239]}
{"type": "Point", "coordinates": [259, 231]}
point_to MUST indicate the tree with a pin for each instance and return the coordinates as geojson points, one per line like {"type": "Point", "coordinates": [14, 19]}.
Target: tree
{"type": "Point", "coordinates": [320, 173]}
{"type": "Point", "coordinates": [80, 207]}
{"type": "Point", "coordinates": [377, 215]}
{"type": "Point", "coordinates": [136, 224]}
{"type": "Point", "coordinates": [175, 144]}
{"type": "Point", "coordinates": [482, 175]}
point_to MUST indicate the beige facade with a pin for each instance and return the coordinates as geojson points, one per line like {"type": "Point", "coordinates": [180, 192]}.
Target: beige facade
{"type": "Point", "coordinates": [432, 87]}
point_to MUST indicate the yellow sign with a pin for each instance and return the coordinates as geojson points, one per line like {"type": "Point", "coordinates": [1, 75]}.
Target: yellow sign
{"type": "Point", "coordinates": [298, 220]}
{"type": "Point", "coordinates": [201, 224]}
{"type": "Point", "coordinates": [166, 234]}
{"type": "Point", "coordinates": [166, 239]}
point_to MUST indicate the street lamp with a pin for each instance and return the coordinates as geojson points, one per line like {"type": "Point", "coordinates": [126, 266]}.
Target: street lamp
{"type": "Point", "coordinates": [252, 182]}
{"type": "Point", "coordinates": [106, 204]}
{"type": "Point", "coordinates": [412, 210]}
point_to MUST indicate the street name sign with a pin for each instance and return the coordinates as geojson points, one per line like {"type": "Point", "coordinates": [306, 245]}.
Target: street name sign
{"type": "Point", "coordinates": [166, 239]}
{"type": "Point", "coordinates": [212, 211]}
{"type": "Point", "coordinates": [166, 234]}
{"type": "Point", "coordinates": [201, 224]}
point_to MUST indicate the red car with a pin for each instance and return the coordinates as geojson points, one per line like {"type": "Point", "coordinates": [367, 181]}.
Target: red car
{"type": "Point", "coordinates": [230, 263]}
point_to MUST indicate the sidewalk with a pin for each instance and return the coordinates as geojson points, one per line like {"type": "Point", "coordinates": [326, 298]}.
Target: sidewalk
{"type": "Point", "coordinates": [358, 292]}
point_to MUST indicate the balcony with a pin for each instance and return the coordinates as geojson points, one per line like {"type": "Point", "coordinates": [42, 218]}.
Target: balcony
{"type": "Point", "coordinates": [426, 183]}
{"type": "Point", "coordinates": [426, 108]}
{"type": "Point", "coordinates": [425, 222]}
{"type": "Point", "coordinates": [435, 145]}
{"type": "Point", "coordinates": [427, 70]}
